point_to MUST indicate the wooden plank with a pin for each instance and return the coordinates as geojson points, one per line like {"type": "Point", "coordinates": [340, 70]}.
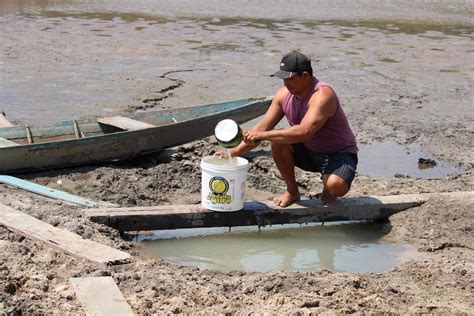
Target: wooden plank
{"type": "Point", "coordinates": [255, 213]}
{"type": "Point", "coordinates": [52, 193]}
{"type": "Point", "coordinates": [67, 241]}
{"type": "Point", "coordinates": [259, 213]}
{"type": "Point", "coordinates": [100, 296]}
{"type": "Point", "coordinates": [3, 120]}
{"type": "Point", "coordinates": [7, 143]}
{"type": "Point", "coordinates": [125, 123]}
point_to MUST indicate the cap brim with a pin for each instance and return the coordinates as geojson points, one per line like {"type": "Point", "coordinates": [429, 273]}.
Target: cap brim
{"type": "Point", "coordinates": [283, 74]}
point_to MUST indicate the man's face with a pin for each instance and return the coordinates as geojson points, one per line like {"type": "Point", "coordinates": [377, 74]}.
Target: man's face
{"type": "Point", "coordinates": [295, 84]}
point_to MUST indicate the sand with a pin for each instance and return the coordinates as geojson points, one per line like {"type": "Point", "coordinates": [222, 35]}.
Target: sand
{"type": "Point", "coordinates": [410, 88]}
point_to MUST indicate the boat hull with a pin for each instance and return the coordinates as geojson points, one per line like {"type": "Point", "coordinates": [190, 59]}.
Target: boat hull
{"type": "Point", "coordinates": [120, 145]}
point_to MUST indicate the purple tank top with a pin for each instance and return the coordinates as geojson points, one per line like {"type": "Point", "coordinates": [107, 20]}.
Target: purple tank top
{"type": "Point", "coordinates": [334, 136]}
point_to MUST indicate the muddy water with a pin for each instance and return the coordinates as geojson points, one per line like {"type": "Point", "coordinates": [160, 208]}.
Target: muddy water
{"type": "Point", "coordinates": [357, 247]}
{"type": "Point", "coordinates": [388, 159]}
{"type": "Point", "coordinates": [443, 11]}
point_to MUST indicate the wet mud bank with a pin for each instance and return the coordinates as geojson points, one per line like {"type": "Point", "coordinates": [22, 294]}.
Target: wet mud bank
{"type": "Point", "coordinates": [409, 88]}
{"type": "Point", "coordinates": [36, 275]}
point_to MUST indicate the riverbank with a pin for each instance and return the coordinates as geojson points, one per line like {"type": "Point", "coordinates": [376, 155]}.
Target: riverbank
{"type": "Point", "coordinates": [36, 275]}
{"type": "Point", "coordinates": [396, 82]}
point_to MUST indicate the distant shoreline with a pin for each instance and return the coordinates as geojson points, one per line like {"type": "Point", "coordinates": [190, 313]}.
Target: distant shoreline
{"type": "Point", "coordinates": [434, 11]}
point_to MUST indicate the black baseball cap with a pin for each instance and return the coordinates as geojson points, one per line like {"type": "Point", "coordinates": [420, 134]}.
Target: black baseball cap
{"type": "Point", "coordinates": [293, 63]}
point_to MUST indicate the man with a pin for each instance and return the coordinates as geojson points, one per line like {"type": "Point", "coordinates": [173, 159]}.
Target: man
{"type": "Point", "coordinates": [319, 138]}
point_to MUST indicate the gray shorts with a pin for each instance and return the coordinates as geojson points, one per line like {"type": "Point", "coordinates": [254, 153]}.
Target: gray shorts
{"type": "Point", "coordinates": [342, 164]}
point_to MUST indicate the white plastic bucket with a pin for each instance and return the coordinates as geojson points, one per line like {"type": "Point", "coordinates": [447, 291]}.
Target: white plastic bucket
{"type": "Point", "coordinates": [223, 183]}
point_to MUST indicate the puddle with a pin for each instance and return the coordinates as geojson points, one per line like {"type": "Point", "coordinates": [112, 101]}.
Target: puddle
{"type": "Point", "coordinates": [354, 247]}
{"type": "Point", "coordinates": [387, 159]}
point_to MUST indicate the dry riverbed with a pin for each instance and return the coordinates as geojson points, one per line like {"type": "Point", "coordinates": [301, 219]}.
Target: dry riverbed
{"type": "Point", "coordinates": [410, 88]}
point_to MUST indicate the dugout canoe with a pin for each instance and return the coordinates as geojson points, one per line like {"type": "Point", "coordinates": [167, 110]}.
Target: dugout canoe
{"type": "Point", "coordinates": [92, 141]}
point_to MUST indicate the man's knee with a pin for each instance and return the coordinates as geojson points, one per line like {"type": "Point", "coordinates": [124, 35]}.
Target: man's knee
{"type": "Point", "coordinates": [336, 185]}
{"type": "Point", "coordinates": [281, 147]}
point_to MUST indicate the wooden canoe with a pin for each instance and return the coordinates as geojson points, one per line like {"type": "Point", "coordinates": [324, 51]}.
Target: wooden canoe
{"type": "Point", "coordinates": [91, 141]}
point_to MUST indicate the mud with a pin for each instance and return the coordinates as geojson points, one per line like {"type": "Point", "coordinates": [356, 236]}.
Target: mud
{"type": "Point", "coordinates": [36, 275]}
{"type": "Point", "coordinates": [395, 86]}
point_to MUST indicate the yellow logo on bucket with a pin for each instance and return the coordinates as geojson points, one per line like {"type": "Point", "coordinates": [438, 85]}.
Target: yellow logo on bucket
{"type": "Point", "coordinates": [219, 187]}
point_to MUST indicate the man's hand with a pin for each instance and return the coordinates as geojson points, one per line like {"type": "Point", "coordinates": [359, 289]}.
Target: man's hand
{"type": "Point", "coordinates": [252, 137]}
{"type": "Point", "coordinates": [222, 154]}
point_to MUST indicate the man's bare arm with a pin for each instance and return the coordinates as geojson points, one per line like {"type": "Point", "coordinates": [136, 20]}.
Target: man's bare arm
{"type": "Point", "coordinates": [322, 105]}
{"type": "Point", "coordinates": [271, 118]}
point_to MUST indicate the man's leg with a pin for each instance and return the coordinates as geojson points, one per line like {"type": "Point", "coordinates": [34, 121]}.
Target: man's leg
{"type": "Point", "coordinates": [283, 157]}
{"type": "Point", "coordinates": [338, 174]}
{"type": "Point", "coordinates": [333, 187]}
